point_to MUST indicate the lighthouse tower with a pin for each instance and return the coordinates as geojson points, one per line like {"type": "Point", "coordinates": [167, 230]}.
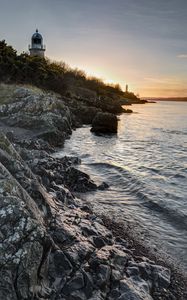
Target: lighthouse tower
{"type": "Point", "coordinates": [37, 48]}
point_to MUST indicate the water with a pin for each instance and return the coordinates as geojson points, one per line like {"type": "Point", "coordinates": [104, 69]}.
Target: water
{"type": "Point", "coordinates": [146, 168]}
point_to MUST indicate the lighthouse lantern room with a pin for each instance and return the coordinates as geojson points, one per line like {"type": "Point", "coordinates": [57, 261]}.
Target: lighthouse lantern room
{"type": "Point", "coordinates": [37, 48]}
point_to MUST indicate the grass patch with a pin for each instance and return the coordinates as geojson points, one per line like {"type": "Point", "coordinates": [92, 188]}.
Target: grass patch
{"type": "Point", "coordinates": [6, 93]}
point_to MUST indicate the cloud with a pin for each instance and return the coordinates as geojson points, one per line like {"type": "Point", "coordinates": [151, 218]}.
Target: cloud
{"type": "Point", "coordinates": [182, 56]}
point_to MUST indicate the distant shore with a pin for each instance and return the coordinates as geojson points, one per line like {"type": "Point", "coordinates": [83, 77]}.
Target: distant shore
{"type": "Point", "coordinates": [181, 99]}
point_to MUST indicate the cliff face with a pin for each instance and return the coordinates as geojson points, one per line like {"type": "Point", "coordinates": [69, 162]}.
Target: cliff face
{"type": "Point", "coordinates": [52, 245]}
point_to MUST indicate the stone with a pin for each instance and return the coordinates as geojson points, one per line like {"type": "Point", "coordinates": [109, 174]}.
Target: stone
{"type": "Point", "coordinates": [103, 186]}
{"type": "Point", "coordinates": [76, 283]}
{"type": "Point", "coordinates": [78, 181]}
{"type": "Point", "coordinates": [77, 295]}
{"type": "Point", "coordinates": [131, 291]}
{"type": "Point", "coordinates": [132, 271]}
{"type": "Point", "coordinates": [48, 116]}
{"type": "Point", "coordinates": [98, 242]}
{"type": "Point", "coordinates": [61, 263]}
{"type": "Point", "coordinates": [103, 275]}
{"type": "Point", "coordinates": [85, 114]}
{"type": "Point", "coordinates": [7, 289]}
{"type": "Point", "coordinates": [104, 123]}
{"type": "Point", "coordinates": [89, 285]}
{"type": "Point", "coordinates": [21, 92]}
{"type": "Point", "coordinates": [161, 276]}
{"type": "Point", "coordinates": [116, 275]}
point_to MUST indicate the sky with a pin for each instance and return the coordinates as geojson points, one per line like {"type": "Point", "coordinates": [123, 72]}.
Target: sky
{"type": "Point", "coordinates": [142, 43]}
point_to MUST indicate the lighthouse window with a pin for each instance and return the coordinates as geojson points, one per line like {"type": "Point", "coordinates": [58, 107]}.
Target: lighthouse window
{"type": "Point", "coordinates": [37, 41]}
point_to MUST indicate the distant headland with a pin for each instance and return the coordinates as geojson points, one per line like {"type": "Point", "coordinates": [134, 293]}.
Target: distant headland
{"type": "Point", "coordinates": [180, 99]}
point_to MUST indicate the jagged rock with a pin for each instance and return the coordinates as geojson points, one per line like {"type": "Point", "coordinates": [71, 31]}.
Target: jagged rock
{"type": "Point", "coordinates": [78, 181]}
{"type": "Point", "coordinates": [109, 105]}
{"type": "Point", "coordinates": [132, 291]}
{"type": "Point", "coordinates": [84, 113]}
{"type": "Point", "coordinates": [46, 114]}
{"type": "Point", "coordinates": [158, 276]}
{"type": "Point", "coordinates": [98, 242]}
{"type": "Point", "coordinates": [22, 244]}
{"type": "Point", "coordinates": [103, 186]}
{"type": "Point", "coordinates": [161, 276]}
{"type": "Point", "coordinates": [103, 275]}
{"type": "Point", "coordinates": [76, 283]}
{"type": "Point", "coordinates": [52, 246]}
{"type": "Point", "coordinates": [104, 123]}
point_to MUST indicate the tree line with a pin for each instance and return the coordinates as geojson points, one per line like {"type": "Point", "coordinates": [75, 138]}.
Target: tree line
{"type": "Point", "coordinates": [50, 75]}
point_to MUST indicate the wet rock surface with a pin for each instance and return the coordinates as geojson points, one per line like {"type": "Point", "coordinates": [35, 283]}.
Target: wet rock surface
{"type": "Point", "coordinates": [52, 245]}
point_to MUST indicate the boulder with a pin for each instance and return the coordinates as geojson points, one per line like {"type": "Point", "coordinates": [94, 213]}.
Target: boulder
{"type": "Point", "coordinates": [43, 115]}
{"type": "Point", "coordinates": [108, 104]}
{"type": "Point", "coordinates": [85, 113]}
{"type": "Point", "coordinates": [104, 123]}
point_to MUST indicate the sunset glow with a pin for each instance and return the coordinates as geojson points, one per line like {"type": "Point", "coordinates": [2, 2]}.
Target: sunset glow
{"type": "Point", "coordinates": [139, 43]}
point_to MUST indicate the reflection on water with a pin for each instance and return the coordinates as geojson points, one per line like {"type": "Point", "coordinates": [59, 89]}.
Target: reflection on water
{"type": "Point", "coordinates": [146, 167]}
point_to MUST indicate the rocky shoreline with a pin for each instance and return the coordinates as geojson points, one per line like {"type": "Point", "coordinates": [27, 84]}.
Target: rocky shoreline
{"type": "Point", "coordinates": [53, 246]}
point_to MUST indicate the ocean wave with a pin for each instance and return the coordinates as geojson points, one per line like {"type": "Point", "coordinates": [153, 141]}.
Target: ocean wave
{"type": "Point", "coordinates": [173, 216]}
{"type": "Point", "coordinates": [134, 188]}
{"type": "Point", "coordinates": [170, 131]}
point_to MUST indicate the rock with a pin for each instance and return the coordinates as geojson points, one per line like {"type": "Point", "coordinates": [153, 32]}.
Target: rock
{"type": "Point", "coordinates": [89, 285]}
{"type": "Point", "coordinates": [128, 111]}
{"type": "Point", "coordinates": [34, 144]}
{"type": "Point", "coordinates": [22, 240]}
{"type": "Point", "coordinates": [84, 113]}
{"type": "Point", "coordinates": [104, 123]}
{"type": "Point", "coordinates": [62, 264]}
{"type": "Point", "coordinates": [7, 289]}
{"type": "Point", "coordinates": [53, 137]}
{"type": "Point", "coordinates": [132, 271]}
{"type": "Point", "coordinates": [43, 113]}
{"type": "Point", "coordinates": [77, 295]}
{"type": "Point", "coordinates": [87, 209]}
{"type": "Point", "coordinates": [97, 295]}
{"type": "Point", "coordinates": [121, 241]}
{"type": "Point", "coordinates": [103, 186]}
{"type": "Point", "coordinates": [116, 275]}
{"type": "Point", "coordinates": [161, 277]}
{"type": "Point", "coordinates": [158, 276]}
{"type": "Point", "coordinates": [103, 275]}
{"type": "Point", "coordinates": [132, 291]}
{"type": "Point", "coordinates": [78, 181]}
{"type": "Point", "coordinates": [109, 105]}
{"type": "Point", "coordinates": [76, 283]}
{"type": "Point", "coordinates": [21, 92]}
{"type": "Point", "coordinates": [88, 230]}
{"type": "Point", "coordinates": [98, 242]}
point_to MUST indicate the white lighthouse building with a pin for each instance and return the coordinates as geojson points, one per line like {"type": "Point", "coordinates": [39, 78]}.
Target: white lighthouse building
{"type": "Point", "coordinates": [37, 47]}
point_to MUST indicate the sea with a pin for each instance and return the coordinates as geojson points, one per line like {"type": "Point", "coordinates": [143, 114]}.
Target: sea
{"type": "Point", "coordinates": [145, 165]}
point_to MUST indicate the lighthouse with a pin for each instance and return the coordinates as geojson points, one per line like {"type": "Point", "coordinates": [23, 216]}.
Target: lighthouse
{"type": "Point", "coordinates": [37, 48]}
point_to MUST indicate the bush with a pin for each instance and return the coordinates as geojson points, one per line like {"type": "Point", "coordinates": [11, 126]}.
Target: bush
{"type": "Point", "coordinates": [51, 75]}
